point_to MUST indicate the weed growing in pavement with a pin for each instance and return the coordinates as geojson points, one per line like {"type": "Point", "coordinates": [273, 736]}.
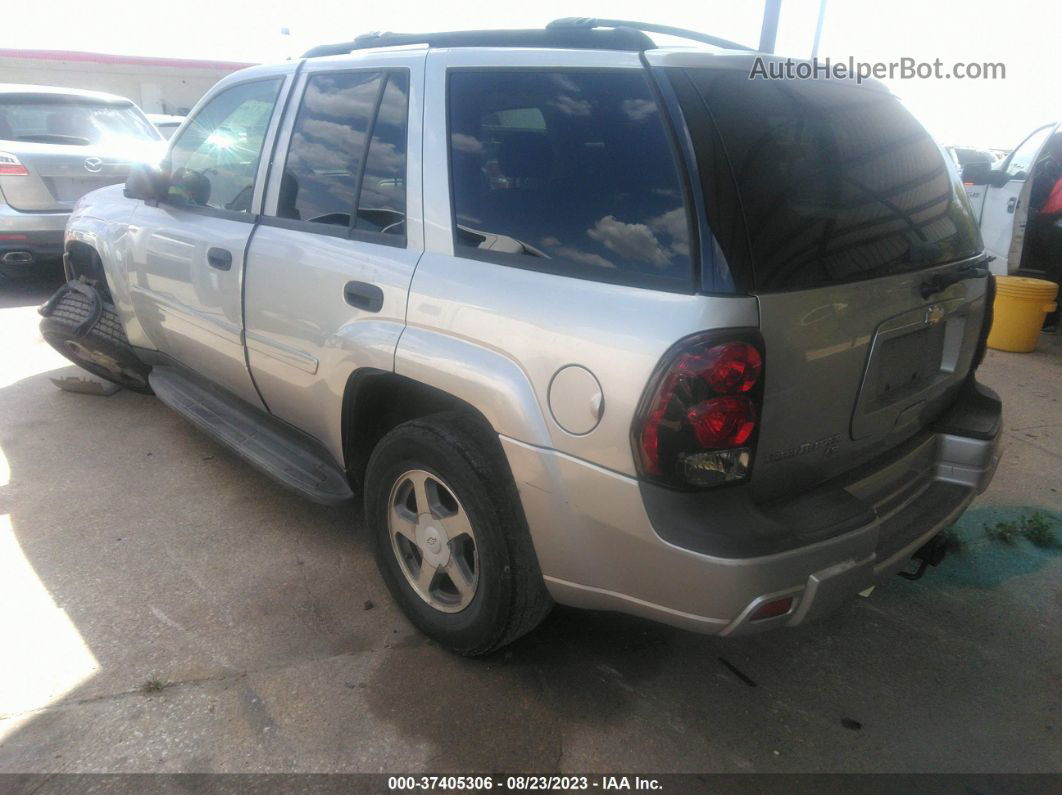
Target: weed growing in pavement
{"type": "Point", "coordinates": [1004, 532]}
{"type": "Point", "coordinates": [1036, 529]}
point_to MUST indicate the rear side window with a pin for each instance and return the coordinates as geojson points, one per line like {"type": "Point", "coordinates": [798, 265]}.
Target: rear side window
{"type": "Point", "coordinates": [813, 183]}
{"type": "Point", "coordinates": [567, 172]}
{"type": "Point", "coordinates": [327, 147]}
{"type": "Point", "coordinates": [347, 151]}
{"type": "Point", "coordinates": [382, 204]}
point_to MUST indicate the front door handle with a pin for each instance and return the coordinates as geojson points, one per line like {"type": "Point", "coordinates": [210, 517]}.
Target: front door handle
{"type": "Point", "coordinates": [219, 258]}
{"type": "Point", "coordinates": [363, 295]}
{"type": "Point", "coordinates": [1012, 204]}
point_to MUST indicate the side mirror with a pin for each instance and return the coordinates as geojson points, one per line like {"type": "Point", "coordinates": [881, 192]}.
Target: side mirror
{"type": "Point", "coordinates": [984, 174]}
{"type": "Point", "coordinates": [977, 173]}
{"type": "Point", "coordinates": [145, 182]}
{"type": "Point", "coordinates": [997, 177]}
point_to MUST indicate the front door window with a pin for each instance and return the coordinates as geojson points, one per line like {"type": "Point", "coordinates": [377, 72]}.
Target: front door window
{"type": "Point", "coordinates": [214, 162]}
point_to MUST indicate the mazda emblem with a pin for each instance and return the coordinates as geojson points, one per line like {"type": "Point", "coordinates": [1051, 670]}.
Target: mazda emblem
{"type": "Point", "coordinates": [93, 164]}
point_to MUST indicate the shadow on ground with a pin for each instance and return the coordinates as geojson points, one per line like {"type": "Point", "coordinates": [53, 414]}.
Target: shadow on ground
{"type": "Point", "coordinates": [32, 289]}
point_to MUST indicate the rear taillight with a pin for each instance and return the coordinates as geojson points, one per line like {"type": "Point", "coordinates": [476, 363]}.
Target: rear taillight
{"type": "Point", "coordinates": [697, 422]}
{"type": "Point", "coordinates": [11, 166]}
{"type": "Point", "coordinates": [986, 323]}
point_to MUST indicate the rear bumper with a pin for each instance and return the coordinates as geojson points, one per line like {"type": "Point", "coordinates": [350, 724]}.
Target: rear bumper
{"type": "Point", "coordinates": [29, 238]}
{"type": "Point", "coordinates": [599, 548]}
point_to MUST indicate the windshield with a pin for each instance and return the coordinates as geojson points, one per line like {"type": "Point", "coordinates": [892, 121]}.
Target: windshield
{"type": "Point", "coordinates": [829, 182]}
{"type": "Point", "coordinates": [71, 121]}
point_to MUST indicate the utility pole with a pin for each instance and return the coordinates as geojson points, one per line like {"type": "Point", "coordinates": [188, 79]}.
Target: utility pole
{"type": "Point", "coordinates": [772, 9]}
{"type": "Point", "coordinates": [818, 28]}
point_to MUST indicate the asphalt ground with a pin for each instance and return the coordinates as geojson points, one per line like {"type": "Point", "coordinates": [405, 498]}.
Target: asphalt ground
{"type": "Point", "coordinates": [164, 607]}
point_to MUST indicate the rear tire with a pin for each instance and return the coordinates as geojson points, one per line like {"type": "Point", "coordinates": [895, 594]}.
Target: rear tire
{"type": "Point", "coordinates": [501, 595]}
{"type": "Point", "coordinates": [103, 351]}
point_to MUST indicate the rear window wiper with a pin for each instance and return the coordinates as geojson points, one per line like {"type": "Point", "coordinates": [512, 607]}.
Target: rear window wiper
{"type": "Point", "coordinates": [939, 282]}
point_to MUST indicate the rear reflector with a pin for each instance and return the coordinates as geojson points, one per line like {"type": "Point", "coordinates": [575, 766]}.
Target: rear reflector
{"type": "Point", "coordinates": [772, 609]}
{"type": "Point", "coordinates": [13, 237]}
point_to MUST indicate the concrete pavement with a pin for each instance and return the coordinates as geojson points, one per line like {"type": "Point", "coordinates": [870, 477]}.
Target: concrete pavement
{"type": "Point", "coordinates": [164, 607]}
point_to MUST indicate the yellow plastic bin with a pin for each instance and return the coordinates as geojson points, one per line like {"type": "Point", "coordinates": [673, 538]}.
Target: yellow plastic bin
{"type": "Point", "coordinates": [1019, 311]}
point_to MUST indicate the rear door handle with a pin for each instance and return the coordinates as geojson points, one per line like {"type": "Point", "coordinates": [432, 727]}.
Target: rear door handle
{"type": "Point", "coordinates": [219, 258]}
{"type": "Point", "coordinates": [363, 295]}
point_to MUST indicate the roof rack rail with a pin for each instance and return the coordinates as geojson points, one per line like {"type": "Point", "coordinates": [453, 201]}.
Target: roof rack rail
{"type": "Point", "coordinates": [590, 23]}
{"type": "Point", "coordinates": [582, 33]}
{"type": "Point", "coordinates": [570, 38]}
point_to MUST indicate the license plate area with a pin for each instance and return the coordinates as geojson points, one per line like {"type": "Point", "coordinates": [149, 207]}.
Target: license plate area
{"type": "Point", "coordinates": [913, 361]}
{"type": "Point", "coordinates": [70, 189]}
{"type": "Point", "coordinates": [907, 363]}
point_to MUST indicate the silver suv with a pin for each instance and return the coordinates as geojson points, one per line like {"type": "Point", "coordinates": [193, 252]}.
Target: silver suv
{"type": "Point", "coordinates": [56, 145]}
{"type": "Point", "coordinates": [576, 318]}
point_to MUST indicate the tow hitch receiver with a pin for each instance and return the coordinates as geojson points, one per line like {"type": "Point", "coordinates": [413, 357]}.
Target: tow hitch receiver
{"type": "Point", "coordinates": [930, 553]}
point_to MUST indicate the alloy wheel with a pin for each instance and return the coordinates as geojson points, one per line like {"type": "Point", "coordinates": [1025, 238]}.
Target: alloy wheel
{"type": "Point", "coordinates": [433, 541]}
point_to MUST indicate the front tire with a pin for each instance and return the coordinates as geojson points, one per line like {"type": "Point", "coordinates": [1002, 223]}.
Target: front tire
{"type": "Point", "coordinates": [451, 540]}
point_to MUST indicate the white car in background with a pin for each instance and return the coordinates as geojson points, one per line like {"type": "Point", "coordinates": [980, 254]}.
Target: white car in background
{"type": "Point", "coordinates": [999, 193]}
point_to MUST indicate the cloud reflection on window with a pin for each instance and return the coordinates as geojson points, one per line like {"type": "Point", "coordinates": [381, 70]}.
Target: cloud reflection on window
{"type": "Point", "coordinates": [573, 168]}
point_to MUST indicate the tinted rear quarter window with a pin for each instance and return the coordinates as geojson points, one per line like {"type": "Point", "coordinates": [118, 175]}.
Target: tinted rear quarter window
{"type": "Point", "coordinates": [567, 172]}
{"type": "Point", "coordinates": [382, 203]}
{"type": "Point", "coordinates": [346, 162]}
{"type": "Point", "coordinates": [327, 146]}
{"type": "Point", "coordinates": [811, 183]}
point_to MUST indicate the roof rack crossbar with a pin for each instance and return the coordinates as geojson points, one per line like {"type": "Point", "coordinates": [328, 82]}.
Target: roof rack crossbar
{"type": "Point", "coordinates": [589, 23]}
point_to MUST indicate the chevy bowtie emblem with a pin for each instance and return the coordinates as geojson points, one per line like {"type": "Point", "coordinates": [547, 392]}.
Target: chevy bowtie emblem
{"type": "Point", "coordinates": [93, 164]}
{"type": "Point", "coordinates": [934, 314]}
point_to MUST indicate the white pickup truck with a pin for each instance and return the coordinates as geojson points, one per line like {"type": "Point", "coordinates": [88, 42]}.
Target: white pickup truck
{"type": "Point", "coordinates": [999, 194]}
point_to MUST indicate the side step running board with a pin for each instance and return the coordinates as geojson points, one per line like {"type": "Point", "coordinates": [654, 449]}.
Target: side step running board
{"type": "Point", "coordinates": [282, 453]}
